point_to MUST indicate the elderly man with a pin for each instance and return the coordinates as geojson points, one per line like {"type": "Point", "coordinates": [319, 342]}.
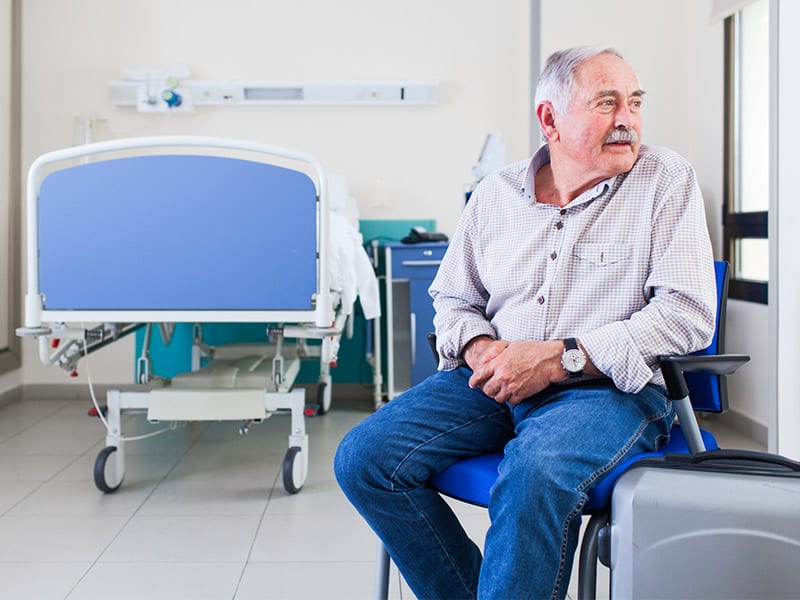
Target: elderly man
{"type": "Point", "coordinates": [566, 278]}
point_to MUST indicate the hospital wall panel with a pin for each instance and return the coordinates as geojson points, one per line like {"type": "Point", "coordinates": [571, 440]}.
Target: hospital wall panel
{"type": "Point", "coordinates": [400, 161]}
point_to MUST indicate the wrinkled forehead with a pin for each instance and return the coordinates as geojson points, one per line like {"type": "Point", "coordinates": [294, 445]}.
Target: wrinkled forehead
{"type": "Point", "coordinates": [606, 72]}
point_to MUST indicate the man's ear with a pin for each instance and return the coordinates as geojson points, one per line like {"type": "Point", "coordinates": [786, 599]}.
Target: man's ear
{"type": "Point", "coordinates": [547, 120]}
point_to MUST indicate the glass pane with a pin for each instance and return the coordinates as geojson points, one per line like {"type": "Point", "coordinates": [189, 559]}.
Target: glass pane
{"type": "Point", "coordinates": [753, 108]}
{"type": "Point", "coordinates": [751, 259]}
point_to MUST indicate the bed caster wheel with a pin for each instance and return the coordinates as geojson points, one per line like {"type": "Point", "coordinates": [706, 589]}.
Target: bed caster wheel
{"type": "Point", "coordinates": [106, 478]}
{"type": "Point", "coordinates": [293, 477]}
{"type": "Point", "coordinates": [323, 398]}
{"type": "Point", "coordinates": [323, 403]}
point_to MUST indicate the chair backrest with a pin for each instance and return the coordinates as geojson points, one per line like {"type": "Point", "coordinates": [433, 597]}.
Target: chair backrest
{"type": "Point", "coordinates": [708, 392]}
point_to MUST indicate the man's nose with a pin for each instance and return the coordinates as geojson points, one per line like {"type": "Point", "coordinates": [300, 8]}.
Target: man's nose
{"type": "Point", "coordinates": [623, 117]}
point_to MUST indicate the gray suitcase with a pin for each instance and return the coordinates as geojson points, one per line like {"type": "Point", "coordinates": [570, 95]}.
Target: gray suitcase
{"type": "Point", "coordinates": [720, 524]}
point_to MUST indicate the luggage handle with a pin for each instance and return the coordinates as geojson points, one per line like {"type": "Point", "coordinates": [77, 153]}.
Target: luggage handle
{"type": "Point", "coordinates": [748, 455]}
{"type": "Point", "coordinates": [745, 462]}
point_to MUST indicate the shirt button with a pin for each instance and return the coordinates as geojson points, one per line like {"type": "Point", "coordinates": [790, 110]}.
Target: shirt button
{"type": "Point", "coordinates": [540, 299]}
{"type": "Point", "coordinates": [563, 211]}
{"type": "Point", "coordinates": [553, 255]}
{"type": "Point", "coordinates": [559, 225]}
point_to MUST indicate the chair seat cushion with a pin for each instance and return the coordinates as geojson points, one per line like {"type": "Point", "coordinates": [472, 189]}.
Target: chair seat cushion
{"type": "Point", "coordinates": [471, 479]}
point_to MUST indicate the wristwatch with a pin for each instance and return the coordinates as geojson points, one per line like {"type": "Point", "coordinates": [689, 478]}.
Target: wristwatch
{"type": "Point", "coordinates": [573, 359]}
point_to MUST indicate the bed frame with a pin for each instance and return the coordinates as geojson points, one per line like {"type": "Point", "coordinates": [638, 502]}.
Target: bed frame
{"type": "Point", "coordinates": [162, 230]}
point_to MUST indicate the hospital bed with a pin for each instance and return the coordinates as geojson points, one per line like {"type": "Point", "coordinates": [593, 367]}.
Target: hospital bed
{"type": "Point", "coordinates": [149, 232]}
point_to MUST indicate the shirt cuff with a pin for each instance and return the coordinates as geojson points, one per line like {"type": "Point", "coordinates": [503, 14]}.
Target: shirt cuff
{"type": "Point", "coordinates": [450, 345]}
{"type": "Point", "coordinates": [613, 352]}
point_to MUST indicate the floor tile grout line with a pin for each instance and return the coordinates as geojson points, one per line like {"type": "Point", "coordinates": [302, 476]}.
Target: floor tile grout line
{"type": "Point", "coordinates": [255, 534]}
{"type": "Point", "coordinates": [38, 421]}
{"type": "Point", "coordinates": [76, 458]}
{"type": "Point", "coordinates": [96, 561]}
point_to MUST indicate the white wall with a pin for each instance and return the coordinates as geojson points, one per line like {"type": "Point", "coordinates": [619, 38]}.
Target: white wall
{"type": "Point", "coordinates": [401, 162]}
{"type": "Point", "coordinates": [748, 389]}
{"type": "Point", "coordinates": [678, 56]}
{"type": "Point", "coordinates": [784, 219]}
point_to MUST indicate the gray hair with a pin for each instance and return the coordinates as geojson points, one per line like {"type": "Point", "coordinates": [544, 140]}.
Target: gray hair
{"type": "Point", "coordinates": [557, 80]}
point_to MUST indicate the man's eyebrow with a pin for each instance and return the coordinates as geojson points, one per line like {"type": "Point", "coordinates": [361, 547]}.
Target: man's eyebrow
{"type": "Point", "coordinates": [603, 93]}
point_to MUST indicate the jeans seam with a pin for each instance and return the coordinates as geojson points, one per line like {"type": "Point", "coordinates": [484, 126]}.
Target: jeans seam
{"type": "Point", "coordinates": [404, 492]}
{"type": "Point", "coordinates": [563, 555]}
{"type": "Point", "coordinates": [617, 457]}
{"type": "Point", "coordinates": [439, 539]}
{"type": "Point", "coordinates": [584, 497]}
{"type": "Point", "coordinates": [430, 441]}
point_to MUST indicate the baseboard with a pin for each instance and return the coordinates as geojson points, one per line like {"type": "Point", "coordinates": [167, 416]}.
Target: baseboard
{"type": "Point", "coordinates": [66, 391]}
{"type": "Point", "coordinates": [11, 396]}
{"type": "Point", "coordinates": [746, 426]}
{"type": "Point", "coordinates": [352, 391]}
{"type": "Point", "coordinates": [345, 392]}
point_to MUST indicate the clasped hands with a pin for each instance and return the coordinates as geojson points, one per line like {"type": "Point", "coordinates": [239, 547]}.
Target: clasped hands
{"type": "Point", "coordinates": [512, 371]}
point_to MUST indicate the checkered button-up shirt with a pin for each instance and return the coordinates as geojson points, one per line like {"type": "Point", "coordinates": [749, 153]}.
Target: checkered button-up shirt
{"type": "Point", "coordinates": [626, 268]}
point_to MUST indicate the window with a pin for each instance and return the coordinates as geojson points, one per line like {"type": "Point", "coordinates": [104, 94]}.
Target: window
{"type": "Point", "coordinates": [747, 151]}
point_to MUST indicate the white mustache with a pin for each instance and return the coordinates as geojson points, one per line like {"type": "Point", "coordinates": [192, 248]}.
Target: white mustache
{"type": "Point", "coordinates": [622, 135]}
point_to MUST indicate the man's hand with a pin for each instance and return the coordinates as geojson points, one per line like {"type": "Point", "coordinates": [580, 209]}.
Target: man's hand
{"type": "Point", "coordinates": [482, 349]}
{"type": "Point", "coordinates": [516, 371]}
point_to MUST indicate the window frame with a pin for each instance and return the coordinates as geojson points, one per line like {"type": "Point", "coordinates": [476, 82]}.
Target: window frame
{"type": "Point", "coordinates": [737, 225]}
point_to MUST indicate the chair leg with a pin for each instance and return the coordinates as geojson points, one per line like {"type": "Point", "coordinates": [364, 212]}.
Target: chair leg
{"type": "Point", "coordinates": [587, 565]}
{"type": "Point", "coordinates": [382, 573]}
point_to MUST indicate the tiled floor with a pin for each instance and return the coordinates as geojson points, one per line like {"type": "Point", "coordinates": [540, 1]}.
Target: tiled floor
{"type": "Point", "coordinates": [202, 513]}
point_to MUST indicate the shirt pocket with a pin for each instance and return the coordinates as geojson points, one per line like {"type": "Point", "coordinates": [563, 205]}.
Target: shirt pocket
{"type": "Point", "coordinates": [602, 255]}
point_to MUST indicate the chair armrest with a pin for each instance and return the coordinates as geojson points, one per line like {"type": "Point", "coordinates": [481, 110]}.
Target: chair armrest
{"type": "Point", "coordinates": [673, 368]}
{"type": "Point", "coordinates": [432, 343]}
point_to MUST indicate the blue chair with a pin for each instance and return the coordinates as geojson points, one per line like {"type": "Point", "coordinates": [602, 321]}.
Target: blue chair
{"type": "Point", "coordinates": [694, 383]}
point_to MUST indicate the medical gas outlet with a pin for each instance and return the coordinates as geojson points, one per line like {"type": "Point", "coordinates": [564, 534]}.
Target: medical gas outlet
{"type": "Point", "coordinates": [170, 90]}
{"type": "Point", "coordinates": [158, 90]}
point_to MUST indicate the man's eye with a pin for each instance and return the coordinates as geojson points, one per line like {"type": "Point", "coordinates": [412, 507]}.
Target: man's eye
{"type": "Point", "coordinates": [606, 105]}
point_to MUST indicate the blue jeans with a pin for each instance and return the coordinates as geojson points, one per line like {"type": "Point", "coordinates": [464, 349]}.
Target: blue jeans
{"type": "Point", "coordinates": [557, 445]}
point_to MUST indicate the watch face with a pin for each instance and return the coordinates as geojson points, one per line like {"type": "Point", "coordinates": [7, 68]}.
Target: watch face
{"type": "Point", "coordinates": [573, 361]}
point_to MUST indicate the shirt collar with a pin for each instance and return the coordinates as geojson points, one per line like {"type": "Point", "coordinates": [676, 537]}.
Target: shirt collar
{"type": "Point", "coordinates": [542, 157]}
